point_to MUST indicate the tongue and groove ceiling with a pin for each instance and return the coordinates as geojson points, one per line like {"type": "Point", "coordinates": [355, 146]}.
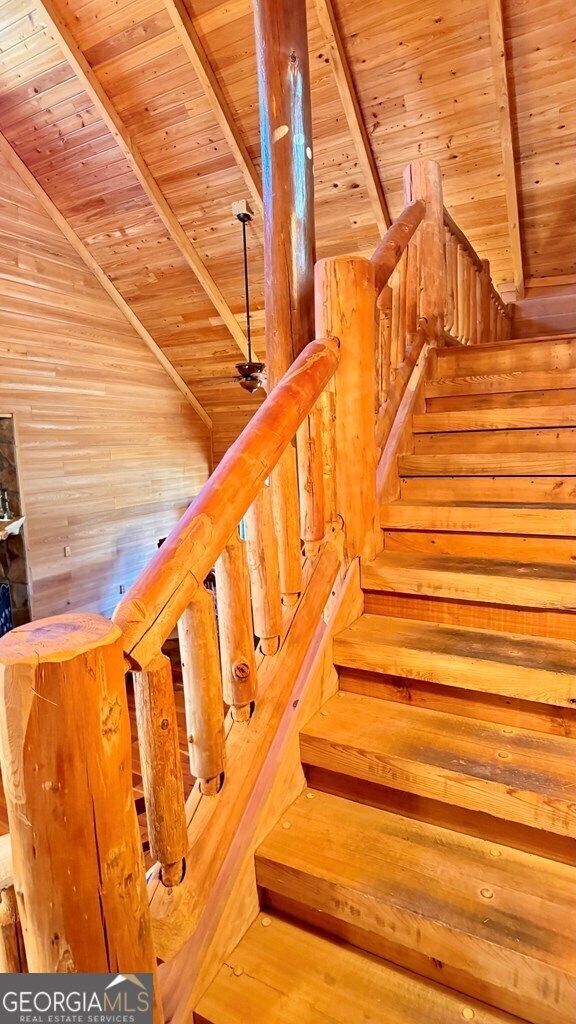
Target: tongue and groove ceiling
{"type": "Point", "coordinates": [102, 103]}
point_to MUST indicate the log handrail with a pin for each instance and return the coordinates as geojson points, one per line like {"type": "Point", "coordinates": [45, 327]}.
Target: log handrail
{"type": "Point", "coordinates": [156, 600]}
{"type": "Point", "coordinates": [389, 250]}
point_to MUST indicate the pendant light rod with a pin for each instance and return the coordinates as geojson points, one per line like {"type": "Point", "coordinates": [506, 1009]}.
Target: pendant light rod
{"type": "Point", "coordinates": [244, 218]}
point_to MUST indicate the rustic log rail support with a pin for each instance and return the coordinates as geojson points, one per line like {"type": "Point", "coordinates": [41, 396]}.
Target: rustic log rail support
{"type": "Point", "coordinates": [67, 772]}
{"type": "Point", "coordinates": [12, 952]}
{"type": "Point", "coordinates": [286, 512]}
{"type": "Point", "coordinates": [264, 572]}
{"type": "Point", "coordinates": [161, 769]}
{"type": "Point", "coordinates": [203, 700]}
{"type": "Point", "coordinates": [236, 629]}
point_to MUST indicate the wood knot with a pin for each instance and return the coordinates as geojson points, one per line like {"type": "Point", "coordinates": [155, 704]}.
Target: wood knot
{"type": "Point", "coordinates": [241, 670]}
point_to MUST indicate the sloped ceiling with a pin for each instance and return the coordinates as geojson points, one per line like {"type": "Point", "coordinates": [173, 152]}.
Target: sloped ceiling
{"type": "Point", "coordinates": [424, 78]}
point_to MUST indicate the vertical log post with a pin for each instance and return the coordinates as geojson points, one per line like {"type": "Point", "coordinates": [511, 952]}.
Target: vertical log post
{"type": "Point", "coordinates": [203, 700]}
{"type": "Point", "coordinates": [286, 512]}
{"type": "Point", "coordinates": [395, 324]}
{"type": "Point", "coordinates": [448, 260]}
{"type": "Point", "coordinates": [289, 251]}
{"type": "Point", "coordinates": [161, 767]}
{"type": "Point", "coordinates": [345, 297]}
{"type": "Point", "coordinates": [237, 655]}
{"type": "Point", "coordinates": [12, 953]}
{"type": "Point", "coordinates": [67, 770]}
{"type": "Point", "coordinates": [455, 283]}
{"type": "Point", "coordinates": [462, 285]}
{"type": "Point", "coordinates": [402, 324]}
{"type": "Point", "coordinates": [327, 403]}
{"type": "Point", "coordinates": [473, 303]}
{"type": "Point", "coordinates": [423, 180]}
{"type": "Point", "coordinates": [264, 572]}
{"type": "Point", "coordinates": [384, 304]}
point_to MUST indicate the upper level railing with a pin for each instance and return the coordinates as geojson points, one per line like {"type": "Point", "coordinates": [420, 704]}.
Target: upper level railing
{"type": "Point", "coordinates": [65, 744]}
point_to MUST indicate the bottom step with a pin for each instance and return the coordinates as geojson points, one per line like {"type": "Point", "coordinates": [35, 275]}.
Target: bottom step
{"type": "Point", "coordinates": [281, 973]}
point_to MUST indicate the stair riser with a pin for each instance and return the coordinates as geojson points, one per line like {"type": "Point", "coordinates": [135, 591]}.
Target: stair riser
{"type": "Point", "coordinates": [546, 522]}
{"type": "Point", "coordinates": [483, 545]}
{"type": "Point", "coordinates": [512, 400]}
{"type": "Point", "coordinates": [496, 617]}
{"type": "Point", "coordinates": [511, 464]}
{"type": "Point", "coordinates": [524, 490]}
{"type": "Point", "coordinates": [528, 593]}
{"type": "Point", "coordinates": [496, 419]}
{"type": "Point", "coordinates": [497, 442]}
{"type": "Point", "coordinates": [527, 356]}
{"type": "Point", "coordinates": [478, 383]}
{"type": "Point", "coordinates": [414, 942]}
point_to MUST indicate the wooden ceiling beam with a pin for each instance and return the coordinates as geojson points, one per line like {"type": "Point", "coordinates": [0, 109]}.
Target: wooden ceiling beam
{"type": "Point", "coordinates": [90, 82]}
{"type": "Point", "coordinates": [506, 138]}
{"type": "Point", "coordinates": [190, 42]}
{"type": "Point", "coordinates": [353, 113]}
{"type": "Point", "coordinates": [80, 249]}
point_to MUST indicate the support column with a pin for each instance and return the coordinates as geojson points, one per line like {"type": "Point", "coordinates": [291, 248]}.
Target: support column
{"type": "Point", "coordinates": [423, 180]}
{"type": "Point", "coordinates": [65, 752]}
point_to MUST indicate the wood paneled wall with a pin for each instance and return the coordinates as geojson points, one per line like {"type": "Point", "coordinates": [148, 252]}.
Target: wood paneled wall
{"type": "Point", "coordinates": [549, 309]}
{"type": "Point", "coordinates": [109, 452]}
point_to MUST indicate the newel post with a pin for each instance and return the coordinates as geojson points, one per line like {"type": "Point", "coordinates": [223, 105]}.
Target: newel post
{"type": "Point", "coordinates": [65, 752]}
{"type": "Point", "coordinates": [423, 180]}
{"type": "Point", "coordinates": [345, 309]}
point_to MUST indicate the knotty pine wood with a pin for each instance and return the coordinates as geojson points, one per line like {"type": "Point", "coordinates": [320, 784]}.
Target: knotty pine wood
{"type": "Point", "coordinates": [109, 452]}
{"type": "Point", "coordinates": [439, 102]}
{"type": "Point", "coordinates": [436, 895]}
{"type": "Point", "coordinates": [514, 774]}
{"type": "Point", "coordinates": [303, 975]}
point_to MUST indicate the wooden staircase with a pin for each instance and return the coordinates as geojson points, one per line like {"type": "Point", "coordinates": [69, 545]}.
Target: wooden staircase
{"type": "Point", "coordinates": [427, 872]}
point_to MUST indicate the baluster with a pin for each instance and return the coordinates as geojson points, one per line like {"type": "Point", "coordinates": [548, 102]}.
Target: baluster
{"type": "Point", "coordinates": [264, 572]}
{"type": "Point", "coordinates": [66, 759]}
{"type": "Point", "coordinates": [395, 334]}
{"type": "Point", "coordinates": [327, 403]}
{"type": "Point", "coordinates": [484, 303]}
{"type": "Point", "coordinates": [462, 285]}
{"type": "Point", "coordinates": [12, 953]}
{"type": "Point", "coordinates": [492, 317]}
{"type": "Point", "coordinates": [448, 256]}
{"type": "Point", "coordinates": [468, 300]}
{"type": "Point", "coordinates": [161, 767]}
{"type": "Point", "coordinates": [412, 288]}
{"type": "Point", "coordinates": [202, 682]}
{"type": "Point", "coordinates": [384, 305]}
{"type": "Point", "coordinates": [310, 480]}
{"type": "Point", "coordinates": [455, 284]}
{"type": "Point", "coordinates": [235, 627]}
{"type": "Point", "coordinates": [473, 303]}
{"type": "Point", "coordinates": [402, 320]}
{"type": "Point", "coordinates": [286, 512]}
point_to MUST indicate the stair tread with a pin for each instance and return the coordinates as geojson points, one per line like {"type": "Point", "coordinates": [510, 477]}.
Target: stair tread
{"type": "Point", "coordinates": [282, 973]}
{"type": "Point", "coordinates": [495, 913]}
{"type": "Point", "coordinates": [534, 584]}
{"type": "Point", "coordinates": [543, 669]}
{"type": "Point", "coordinates": [473, 464]}
{"type": "Point", "coordinates": [494, 419]}
{"type": "Point", "coordinates": [518, 774]}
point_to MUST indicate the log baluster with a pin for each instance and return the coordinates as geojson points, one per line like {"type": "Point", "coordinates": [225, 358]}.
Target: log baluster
{"type": "Point", "coordinates": [454, 260]}
{"type": "Point", "coordinates": [402, 317]}
{"type": "Point", "coordinates": [286, 512]}
{"type": "Point", "coordinates": [264, 572]}
{"type": "Point", "coordinates": [202, 682]}
{"type": "Point", "coordinates": [462, 282]}
{"type": "Point", "coordinates": [412, 289]}
{"type": "Point", "coordinates": [66, 759]}
{"type": "Point", "coordinates": [327, 404]}
{"type": "Point", "coordinates": [384, 305]}
{"type": "Point", "coordinates": [395, 326]}
{"type": "Point", "coordinates": [484, 303]}
{"type": "Point", "coordinates": [12, 952]}
{"type": "Point", "coordinates": [448, 258]}
{"type": "Point", "coordinates": [473, 323]}
{"type": "Point", "coordinates": [310, 478]}
{"type": "Point", "coordinates": [161, 767]}
{"type": "Point", "coordinates": [237, 655]}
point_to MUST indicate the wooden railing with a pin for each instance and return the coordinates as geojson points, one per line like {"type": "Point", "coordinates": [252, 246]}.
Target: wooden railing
{"type": "Point", "coordinates": [305, 513]}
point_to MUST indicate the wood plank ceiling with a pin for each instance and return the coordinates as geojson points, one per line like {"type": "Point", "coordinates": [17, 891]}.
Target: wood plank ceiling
{"type": "Point", "coordinates": [427, 83]}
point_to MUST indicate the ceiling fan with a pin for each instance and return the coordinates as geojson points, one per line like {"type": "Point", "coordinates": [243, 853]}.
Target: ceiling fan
{"type": "Point", "coordinates": [251, 374]}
